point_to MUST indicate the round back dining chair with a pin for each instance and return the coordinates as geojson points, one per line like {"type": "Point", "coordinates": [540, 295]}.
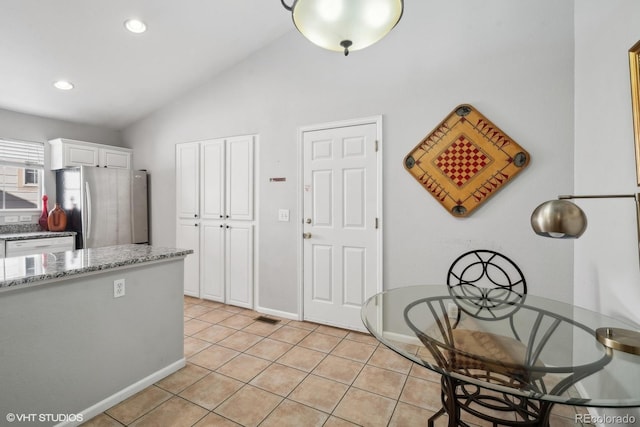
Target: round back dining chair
{"type": "Point", "coordinates": [492, 285]}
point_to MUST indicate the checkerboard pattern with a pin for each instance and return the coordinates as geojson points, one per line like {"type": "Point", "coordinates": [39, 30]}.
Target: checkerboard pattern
{"type": "Point", "coordinates": [461, 161]}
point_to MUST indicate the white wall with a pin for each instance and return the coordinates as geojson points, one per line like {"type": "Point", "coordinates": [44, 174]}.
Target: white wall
{"type": "Point", "coordinates": [607, 270]}
{"type": "Point", "coordinates": [513, 61]}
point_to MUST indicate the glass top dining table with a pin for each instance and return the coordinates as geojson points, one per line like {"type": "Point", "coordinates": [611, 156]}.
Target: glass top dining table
{"type": "Point", "coordinates": [520, 345]}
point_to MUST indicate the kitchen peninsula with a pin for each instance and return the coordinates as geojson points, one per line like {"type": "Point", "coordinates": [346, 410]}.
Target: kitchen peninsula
{"type": "Point", "coordinates": [70, 346]}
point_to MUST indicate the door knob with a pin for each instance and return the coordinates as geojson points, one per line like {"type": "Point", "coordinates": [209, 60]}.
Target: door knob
{"type": "Point", "coordinates": [306, 235]}
{"type": "Point", "coordinates": [308, 220]}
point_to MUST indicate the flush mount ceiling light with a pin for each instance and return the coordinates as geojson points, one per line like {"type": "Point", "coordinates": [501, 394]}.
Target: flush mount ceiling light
{"type": "Point", "coordinates": [345, 25]}
{"type": "Point", "coordinates": [63, 85]}
{"type": "Point", "coordinates": [135, 26]}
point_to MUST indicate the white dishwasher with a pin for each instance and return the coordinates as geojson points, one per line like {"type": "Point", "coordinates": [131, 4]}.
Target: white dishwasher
{"type": "Point", "coordinates": [38, 246]}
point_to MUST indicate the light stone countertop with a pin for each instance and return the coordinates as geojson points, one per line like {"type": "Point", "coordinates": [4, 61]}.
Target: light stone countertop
{"type": "Point", "coordinates": [35, 235]}
{"type": "Point", "coordinates": [23, 271]}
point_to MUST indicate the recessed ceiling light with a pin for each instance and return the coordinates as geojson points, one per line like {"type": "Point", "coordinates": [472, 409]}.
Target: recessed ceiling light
{"type": "Point", "coordinates": [135, 26]}
{"type": "Point", "coordinates": [63, 85]}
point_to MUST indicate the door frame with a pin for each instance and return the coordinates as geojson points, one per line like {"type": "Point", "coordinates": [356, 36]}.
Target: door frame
{"type": "Point", "coordinates": [376, 120]}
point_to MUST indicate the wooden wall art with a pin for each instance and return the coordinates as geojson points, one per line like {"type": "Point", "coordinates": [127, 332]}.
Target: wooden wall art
{"type": "Point", "coordinates": [465, 160]}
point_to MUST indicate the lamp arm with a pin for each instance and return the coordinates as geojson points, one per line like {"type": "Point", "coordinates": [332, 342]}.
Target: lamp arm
{"type": "Point", "coordinates": [598, 196]}
{"type": "Point", "coordinates": [286, 6]}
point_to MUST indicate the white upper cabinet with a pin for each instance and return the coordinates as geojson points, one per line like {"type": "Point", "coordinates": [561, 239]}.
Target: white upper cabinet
{"type": "Point", "coordinates": [214, 179]}
{"type": "Point", "coordinates": [71, 153]}
{"type": "Point", "coordinates": [213, 169]}
{"type": "Point", "coordinates": [188, 180]}
{"type": "Point", "coordinates": [115, 158]}
{"type": "Point", "coordinates": [239, 186]}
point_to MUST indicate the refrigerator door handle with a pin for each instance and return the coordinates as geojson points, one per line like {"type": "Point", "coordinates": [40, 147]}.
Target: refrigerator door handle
{"type": "Point", "coordinates": [88, 207]}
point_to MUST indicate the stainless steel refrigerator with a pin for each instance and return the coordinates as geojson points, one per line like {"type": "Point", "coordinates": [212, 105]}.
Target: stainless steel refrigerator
{"type": "Point", "coordinates": [104, 206]}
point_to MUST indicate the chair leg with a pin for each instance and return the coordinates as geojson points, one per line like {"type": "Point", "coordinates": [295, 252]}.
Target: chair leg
{"type": "Point", "coordinates": [435, 417]}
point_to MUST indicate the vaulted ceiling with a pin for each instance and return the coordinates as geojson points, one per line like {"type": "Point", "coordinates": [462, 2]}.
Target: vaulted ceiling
{"type": "Point", "coordinates": [119, 77]}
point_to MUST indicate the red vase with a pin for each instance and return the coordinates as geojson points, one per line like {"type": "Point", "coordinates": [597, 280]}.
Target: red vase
{"type": "Point", "coordinates": [44, 218]}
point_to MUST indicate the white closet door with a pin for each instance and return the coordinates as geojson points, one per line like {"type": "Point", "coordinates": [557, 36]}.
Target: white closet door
{"type": "Point", "coordinates": [239, 186]}
{"type": "Point", "coordinates": [239, 264]}
{"type": "Point", "coordinates": [187, 180]}
{"type": "Point", "coordinates": [212, 178]}
{"type": "Point", "coordinates": [213, 260]}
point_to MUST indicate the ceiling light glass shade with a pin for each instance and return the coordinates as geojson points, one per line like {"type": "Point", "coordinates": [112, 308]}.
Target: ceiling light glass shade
{"type": "Point", "coordinates": [345, 25]}
{"type": "Point", "coordinates": [559, 219]}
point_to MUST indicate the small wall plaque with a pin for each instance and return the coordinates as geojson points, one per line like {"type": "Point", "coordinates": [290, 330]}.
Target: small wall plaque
{"type": "Point", "coordinates": [277, 179]}
{"type": "Point", "coordinates": [465, 160]}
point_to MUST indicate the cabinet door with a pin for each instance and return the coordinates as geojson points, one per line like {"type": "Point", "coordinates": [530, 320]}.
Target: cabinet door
{"type": "Point", "coordinates": [212, 257]}
{"type": "Point", "coordinates": [239, 194]}
{"type": "Point", "coordinates": [188, 237]}
{"type": "Point", "coordinates": [239, 264]}
{"type": "Point", "coordinates": [80, 155]}
{"type": "Point", "coordinates": [212, 179]}
{"type": "Point", "coordinates": [187, 180]}
{"type": "Point", "coordinates": [119, 159]}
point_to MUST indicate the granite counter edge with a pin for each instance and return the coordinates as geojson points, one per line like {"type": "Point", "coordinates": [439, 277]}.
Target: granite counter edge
{"type": "Point", "coordinates": [21, 283]}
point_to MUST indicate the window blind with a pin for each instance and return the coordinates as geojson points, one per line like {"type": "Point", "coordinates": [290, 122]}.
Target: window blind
{"type": "Point", "coordinates": [22, 153]}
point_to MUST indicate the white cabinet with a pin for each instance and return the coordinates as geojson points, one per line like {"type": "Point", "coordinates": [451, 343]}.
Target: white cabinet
{"type": "Point", "coordinates": [37, 246]}
{"type": "Point", "coordinates": [215, 191]}
{"type": "Point", "coordinates": [239, 264]}
{"type": "Point", "coordinates": [188, 180]}
{"type": "Point", "coordinates": [115, 158]}
{"type": "Point", "coordinates": [70, 153]}
{"type": "Point", "coordinates": [239, 178]}
{"type": "Point", "coordinates": [227, 262]}
{"type": "Point", "coordinates": [213, 256]}
{"type": "Point", "coordinates": [215, 178]}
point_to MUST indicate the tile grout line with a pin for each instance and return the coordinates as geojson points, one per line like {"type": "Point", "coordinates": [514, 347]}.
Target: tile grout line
{"type": "Point", "coordinates": [341, 340]}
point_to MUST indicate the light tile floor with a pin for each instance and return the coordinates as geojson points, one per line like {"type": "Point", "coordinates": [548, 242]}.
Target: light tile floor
{"type": "Point", "coordinates": [245, 372]}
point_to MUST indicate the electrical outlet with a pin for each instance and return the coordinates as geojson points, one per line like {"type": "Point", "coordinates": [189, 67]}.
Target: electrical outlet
{"type": "Point", "coordinates": [25, 218]}
{"type": "Point", "coordinates": [118, 288]}
{"type": "Point", "coordinates": [10, 219]}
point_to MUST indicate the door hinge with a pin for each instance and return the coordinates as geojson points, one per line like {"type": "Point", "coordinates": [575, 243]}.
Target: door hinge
{"type": "Point", "coordinates": [377, 223]}
{"type": "Point", "coordinates": [376, 145]}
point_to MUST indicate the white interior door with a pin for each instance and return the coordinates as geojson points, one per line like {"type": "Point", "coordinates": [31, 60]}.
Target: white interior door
{"type": "Point", "coordinates": [342, 242]}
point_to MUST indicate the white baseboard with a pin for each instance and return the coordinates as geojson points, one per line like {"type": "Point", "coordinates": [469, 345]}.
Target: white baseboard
{"type": "Point", "coordinates": [278, 313]}
{"type": "Point", "coordinates": [407, 339]}
{"type": "Point", "coordinates": [126, 392]}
